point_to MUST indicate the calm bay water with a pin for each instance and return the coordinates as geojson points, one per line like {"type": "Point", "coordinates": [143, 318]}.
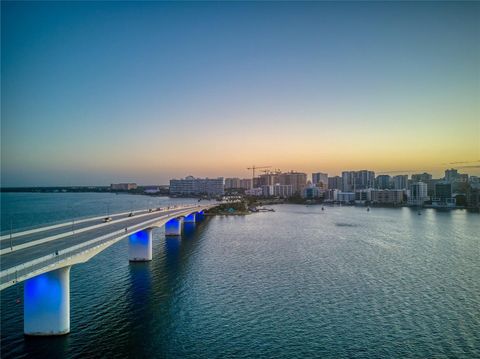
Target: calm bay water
{"type": "Point", "coordinates": [296, 283]}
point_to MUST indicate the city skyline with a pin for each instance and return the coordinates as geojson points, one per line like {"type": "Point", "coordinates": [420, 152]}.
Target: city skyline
{"type": "Point", "coordinates": [95, 93]}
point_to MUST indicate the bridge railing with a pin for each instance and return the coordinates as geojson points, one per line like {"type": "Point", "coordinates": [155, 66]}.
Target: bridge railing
{"type": "Point", "coordinates": [26, 270]}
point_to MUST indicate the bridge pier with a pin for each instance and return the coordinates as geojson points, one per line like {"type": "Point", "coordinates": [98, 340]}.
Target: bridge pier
{"type": "Point", "coordinates": [140, 246]}
{"type": "Point", "coordinates": [190, 218]}
{"type": "Point", "coordinates": [47, 303]}
{"type": "Point", "coordinates": [174, 227]}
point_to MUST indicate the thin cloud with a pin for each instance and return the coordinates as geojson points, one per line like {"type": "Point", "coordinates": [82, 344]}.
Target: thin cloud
{"type": "Point", "coordinates": [397, 171]}
{"type": "Point", "coordinates": [461, 162]}
{"type": "Point", "coordinates": [471, 166]}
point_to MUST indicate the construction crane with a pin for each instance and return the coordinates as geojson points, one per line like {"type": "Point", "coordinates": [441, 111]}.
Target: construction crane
{"type": "Point", "coordinates": [253, 168]}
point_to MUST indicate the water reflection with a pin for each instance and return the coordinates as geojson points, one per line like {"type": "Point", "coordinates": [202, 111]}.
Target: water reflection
{"type": "Point", "coordinates": [188, 230]}
{"type": "Point", "coordinates": [46, 347]}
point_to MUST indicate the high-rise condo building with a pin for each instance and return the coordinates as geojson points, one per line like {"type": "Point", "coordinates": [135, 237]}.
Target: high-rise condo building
{"type": "Point", "coordinates": [451, 175]}
{"type": "Point", "coordinates": [355, 180]}
{"type": "Point", "coordinates": [320, 179]}
{"type": "Point", "coordinates": [388, 196]}
{"type": "Point", "coordinates": [231, 183]}
{"type": "Point", "coordinates": [283, 191]}
{"type": "Point", "coordinates": [335, 183]}
{"type": "Point", "coordinates": [443, 195]}
{"type": "Point", "coordinates": [418, 194]}
{"type": "Point", "coordinates": [425, 178]}
{"type": "Point", "coordinates": [192, 185]}
{"type": "Point", "coordinates": [421, 177]}
{"type": "Point", "coordinates": [348, 178]}
{"type": "Point", "coordinates": [383, 181]}
{"type": "Point", "coordinates": [311, 192]}
{"type": "Point", "coordinates": [400, 182]}
{"type": "Point", "coordinates": [246, 183]}
{"type": "Point", "coordinates": [268, 179]}
{"type": "Point", "coordinates": [297, 180]}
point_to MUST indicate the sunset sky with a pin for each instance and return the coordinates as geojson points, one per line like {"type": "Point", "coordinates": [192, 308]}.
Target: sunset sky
{"type": "Point", "coordinates": [94, 93]}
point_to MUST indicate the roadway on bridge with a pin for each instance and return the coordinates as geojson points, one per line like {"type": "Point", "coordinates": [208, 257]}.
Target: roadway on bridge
{"type": "Point", "coordinates": [9, 260]}
{"type": "Point", "coordinates": [62, 228]}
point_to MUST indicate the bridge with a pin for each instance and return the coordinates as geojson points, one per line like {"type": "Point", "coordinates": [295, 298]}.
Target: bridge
{"type": "Point", "coordinates": [42, 257]}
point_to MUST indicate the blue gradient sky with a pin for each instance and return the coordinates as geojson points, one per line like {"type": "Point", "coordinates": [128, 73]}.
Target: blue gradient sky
{"type": "Point", "coordinates": [94, 93]}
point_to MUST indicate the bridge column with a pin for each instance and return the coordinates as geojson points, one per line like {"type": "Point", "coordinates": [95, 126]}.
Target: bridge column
{"type": "Point", "coordinates": [46, 308]}
{"type": "Point", "coordinates": [190, 218]}
{"type": "Point", "coordinates": [174, 227]}
{"type": "Point", "coordinates": [140, 246]}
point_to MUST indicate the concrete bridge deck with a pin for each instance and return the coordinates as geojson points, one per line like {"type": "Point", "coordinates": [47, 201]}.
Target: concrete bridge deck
{"type": "Point", "coordinates": [10, 240]}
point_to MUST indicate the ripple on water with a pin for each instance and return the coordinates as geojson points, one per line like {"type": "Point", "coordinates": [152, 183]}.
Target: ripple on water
{"type": "Point", "coordinates": [343, 284]}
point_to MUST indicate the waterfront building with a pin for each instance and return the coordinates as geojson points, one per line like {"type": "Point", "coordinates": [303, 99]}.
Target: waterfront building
{"type": "Point", "coordinates": [283, 191]}
{"type": "Point", "coordinates": [123, 186]}
{"type": "Point", "coordinates": [246, 183]}
{"type": "Point", "coordinates": [348, 181]}
{"type": "Point", "coordinates": [383, 181]}
{"type": "Point", "coordinates": [418, 194]}
{"type": "Point", "coordinates": [335, 182]}
{"type": "Point", "coordinates": [451, 175]}
{"type": "Point", "coordinates": [425, 178]}
{"type": "Point", "coordinates": [257, 182]}
{"type": "Point", "coordinates": [232, 183]}
{"type": "Point", "coordinates": [431, 186]}
{"type": "Point", "coordinates": [462, 177]}
{"type": "Point", "coordinates": [421, 177]}
{"type": "Point", "coordinates": [363, 195]}
{"type": "Point", "coordinates": [443, 195]}
{"type": "Point", "coordinates": [267, 190]}
{"type": "Point", "coordinates": [268, 179]}
{"type": "Point", "coordinates": [353, 180]}
{"type": "Point", "coordinates": [297, 180]}
{"type": "Point", "coordinates": [388, 196]}
{"type": "Point", "coordinates": [459, 181]}
{"type": "Point", "coordinates": [474, 182]}
{"type": "Point", "coordinates": [320, 179]}
{"type": "Point", "coordinates": [400, 182]}
{"type": "Point", "coordinates": [364, 179]}
{"type": "Point", "coordinates": [331, 195]}
{"type": "Point", "coordinates": [256, 192]}
{"type": "Point", "coordinates": [195, 186]}
{"type": "Point", "coordinates": [346, 197]}
{"type": "Point", "coordinates": [473, 197]}
{"type": "Point", "coordinates": [311, 192]}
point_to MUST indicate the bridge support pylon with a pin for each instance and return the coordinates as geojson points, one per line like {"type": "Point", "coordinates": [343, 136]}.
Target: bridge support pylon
{"type": "Point", "coordinates": [174, 227]}
{"type": "Point", "coordinates": [140, 246]}
{"type": "Point", "coordinates": [47, 303]}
